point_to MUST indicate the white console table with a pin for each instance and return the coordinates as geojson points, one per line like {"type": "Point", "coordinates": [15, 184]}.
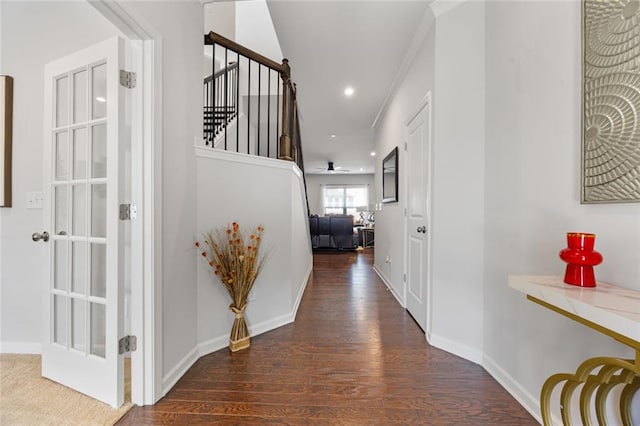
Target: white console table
{"type": "Point", "coordinates": [611, 310]}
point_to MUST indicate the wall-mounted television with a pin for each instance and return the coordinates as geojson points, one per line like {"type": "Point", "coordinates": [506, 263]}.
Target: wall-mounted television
{"type": "Point", "coordinates": [390, 177]}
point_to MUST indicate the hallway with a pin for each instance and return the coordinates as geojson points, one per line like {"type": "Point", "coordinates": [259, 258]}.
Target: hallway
{"type": "Point", "coordinates": [353, 356]}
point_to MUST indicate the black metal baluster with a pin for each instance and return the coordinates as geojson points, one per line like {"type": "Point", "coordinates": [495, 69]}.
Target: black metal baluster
{"type": "Point", "coordinates": [259, 103]}
{"type": "Point", "coordinates": [249, 105]}
{"type": "Point", "coordinates": [278, 124]}
{"type": "Point", "coordinates": [269, 109]}
{"type": "Point", "coordinates": [220, 101]}
{"type": "Point", "coordinates": [214, 83]}
{"type": "Point", "coordinates": [237, 106]}
{"type": "Point", "coordinates": [226, 96]}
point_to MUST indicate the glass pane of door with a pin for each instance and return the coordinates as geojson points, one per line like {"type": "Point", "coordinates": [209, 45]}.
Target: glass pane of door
{"type": "Point", "coordinates": [98, 270]}
{"type": "Point", "coordinates": [80, 153]}
{"type": "Point", "coordinates": [60, 264]}
{"type": "Point", "coordinates": [98, 329]}
{"type": "Point", "coordinates": [79, 267]}
{"type": "Point", "coordinates": [62, 101]}
{"type": "Point", "coordinates": [79, 214]}
{"type": "Point", "coordinates": [99, 151]}
{"type": "Point", "coordinates": [99, 89]}
{"type": "Point", "coordinates": [60, 209]}
{"type": "Point", "coordinates": [98, 210]}
{"type": "Point", "coordinates": [80, 96]}
{"type": "Point", "coordinates": [78, 324]}
{"type": "Point", "coordinates": [62, 156]}
{"type": "Point", "coordinates": [60, 319]}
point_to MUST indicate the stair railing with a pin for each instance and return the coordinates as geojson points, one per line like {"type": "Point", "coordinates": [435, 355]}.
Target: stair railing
{"type": "Point", "coordinates": [250, 104]}
{"type": "Point", "coordinates": [220, 106]}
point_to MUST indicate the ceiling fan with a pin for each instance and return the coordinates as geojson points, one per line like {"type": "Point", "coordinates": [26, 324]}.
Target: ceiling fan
{"type": "Point", "coordinates": [331, 169]}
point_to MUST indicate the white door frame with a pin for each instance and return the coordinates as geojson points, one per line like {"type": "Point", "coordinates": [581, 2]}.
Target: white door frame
{"type": "Point", "coordinates": [146, 177]}
{"type": "Point", "coordinates": [426, 100]}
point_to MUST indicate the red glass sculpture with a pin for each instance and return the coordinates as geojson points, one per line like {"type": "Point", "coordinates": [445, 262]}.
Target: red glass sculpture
{"type": "Point", "coordinates": [581, 258]}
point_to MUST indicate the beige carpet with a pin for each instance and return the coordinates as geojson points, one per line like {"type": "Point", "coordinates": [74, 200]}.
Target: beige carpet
{"type": "Point", "coordinates": [26, 398]}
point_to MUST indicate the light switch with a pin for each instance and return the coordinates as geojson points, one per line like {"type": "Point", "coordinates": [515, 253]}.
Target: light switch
{"type": "Point", "coordinates": [35, 200]}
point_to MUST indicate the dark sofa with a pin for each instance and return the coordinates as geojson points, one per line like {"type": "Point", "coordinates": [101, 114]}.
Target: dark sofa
{"type": "Point", "coordinates": [332, 232]}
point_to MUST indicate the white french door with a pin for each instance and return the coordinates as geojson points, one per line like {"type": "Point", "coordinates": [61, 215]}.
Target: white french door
{"type": "Point", "coordinates": [83, 299]}
{"type": "Point", "coordinates": [418, 136]}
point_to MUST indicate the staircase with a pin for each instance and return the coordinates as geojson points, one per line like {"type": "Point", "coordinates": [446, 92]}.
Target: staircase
{"type": "Point", "coordinates": [220, 102]}
{"type": "Point", "coordinates": [249, 105]}
{"type": "Point", "coordinates": [216, 120]}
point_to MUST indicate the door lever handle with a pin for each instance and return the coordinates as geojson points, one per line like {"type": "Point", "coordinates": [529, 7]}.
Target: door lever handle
{"type": "Point", "coordinates": [422, 229]}
{"type": "Point", "coordinates": [37, 236]}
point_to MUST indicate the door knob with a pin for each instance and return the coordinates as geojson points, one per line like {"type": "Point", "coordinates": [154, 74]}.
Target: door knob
{"type": "Point", "coordinates": [37, 237]}
{"type": "Point", "coordinates": [422, 229]}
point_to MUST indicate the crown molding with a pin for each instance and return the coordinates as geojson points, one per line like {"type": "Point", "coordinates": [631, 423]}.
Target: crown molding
{"type": "Point", "coordinates": [418, 39]}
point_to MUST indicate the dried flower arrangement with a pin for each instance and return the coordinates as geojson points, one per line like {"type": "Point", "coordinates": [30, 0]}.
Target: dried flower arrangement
{"type": "Point", "coordinates": [236, 262]}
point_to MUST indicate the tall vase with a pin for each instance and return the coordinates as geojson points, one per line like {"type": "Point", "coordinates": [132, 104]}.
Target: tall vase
{"type": "Point", "coordinates": [581, 258]}
{"type": "Point", "coordinates": [239, 338]}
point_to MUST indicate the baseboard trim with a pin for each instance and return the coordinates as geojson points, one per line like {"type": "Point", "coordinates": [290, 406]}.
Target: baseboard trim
{"type": "Point", "coordinates": [388, 285]}
{"type": "Point", "coordinates": [528, 401]}
{"type": "Point", "coordinates": [213, 345]}
{"type": "Point", "coordinates": [20, 348]}
{"type": "Point", "coordinates": [303, 287]}
{"type": "Point", "coordinates": [455, 348]}
{"type": "Point", "coordinates": [169, 380]}
{"type": "Point", "coordinates": [271, 324]}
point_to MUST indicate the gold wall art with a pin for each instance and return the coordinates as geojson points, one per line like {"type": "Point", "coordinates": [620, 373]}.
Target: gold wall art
{"type": "Point", "coordinates": [610, 101]}
{"type": "Point", "coordinates": [6, 130]}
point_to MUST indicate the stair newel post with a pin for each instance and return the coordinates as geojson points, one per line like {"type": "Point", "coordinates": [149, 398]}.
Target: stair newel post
{"type": "Point", "coordinates": [285, 137]}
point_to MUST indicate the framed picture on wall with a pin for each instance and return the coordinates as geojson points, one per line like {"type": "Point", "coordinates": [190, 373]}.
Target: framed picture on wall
{"type": "Point", "coordinates": [6, 119]}
{"type": "Point", "coordinates": [390, 177]}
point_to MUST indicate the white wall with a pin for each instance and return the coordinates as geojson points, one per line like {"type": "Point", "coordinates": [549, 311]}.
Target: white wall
{"type": "Point", "coordinates": [33, 34]}
{"type": "Point", "coordinates": [254, 29]}
{"type": "Point", "coordinates": [532, 194]}
{"type": "Point", "coordinates": [252, 191]}
{"type": "Point", "coordinates": [180, 24]}
{"type": "Point", "coordinates": [458, 180]}
{"type": "Point", "coordinates": [449, 63]}
{"type": "Point", "coordinates": [220, 17]}
{"type": "Point", "coordinates": [389, 133]}
{"type": "Point", "coordinates": [314, 183]}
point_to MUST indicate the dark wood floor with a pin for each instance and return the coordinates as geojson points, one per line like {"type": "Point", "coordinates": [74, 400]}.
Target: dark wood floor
{"type": "Point", "coordinates": [353, 356]}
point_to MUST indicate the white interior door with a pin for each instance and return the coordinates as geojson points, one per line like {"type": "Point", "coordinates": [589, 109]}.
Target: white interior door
{"type": "Point", "coordinates": [83, 298]}
{"type": "Point", "coordinates": [418, 137]}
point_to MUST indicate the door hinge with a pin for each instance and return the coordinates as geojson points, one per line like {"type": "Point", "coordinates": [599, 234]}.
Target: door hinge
{"type": "Point", "coordinates": [127, 344]}
{"type": "Point", "coordinates": [128, 211]}
{"type": "Point", "coordinates": [405, 146]}
{"type": "Point", "coordinates": [405, 212]}
{"type": "Point", "coordinates": [128, 79]}
{"type": "Point", "coordinates": [404, 277]}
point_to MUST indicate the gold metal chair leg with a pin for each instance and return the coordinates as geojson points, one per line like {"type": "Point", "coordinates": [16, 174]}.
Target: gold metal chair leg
{"type": "Point", "coordinates": [565, 401]}
{"type": "Point", "coordinates": [545, 395]}
{"type": "Point", "coordinates": [585, 400]}
{"type": "Point", "coordinates": [626, 397]}
{"type": "Point", "coordinates": [625, 377]}
{"type": "Point", "coordinates": [601, 382]}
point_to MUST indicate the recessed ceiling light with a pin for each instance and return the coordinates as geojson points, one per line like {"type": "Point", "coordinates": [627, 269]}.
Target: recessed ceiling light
{"type": "Point", "coordinates": [373, 153]}
{"type": "Point", "coordinates": [333, 136]}
{"type": "Point", "coordinates": [361, 169]}
{"type": "Point", "coordinates": [348, 91]}
{"type": "Point", "coordinates": [100, 99]}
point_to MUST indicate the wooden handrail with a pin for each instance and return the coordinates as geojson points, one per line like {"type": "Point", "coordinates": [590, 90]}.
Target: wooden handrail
{"type": "Point", "coordinates": [212, 37]}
